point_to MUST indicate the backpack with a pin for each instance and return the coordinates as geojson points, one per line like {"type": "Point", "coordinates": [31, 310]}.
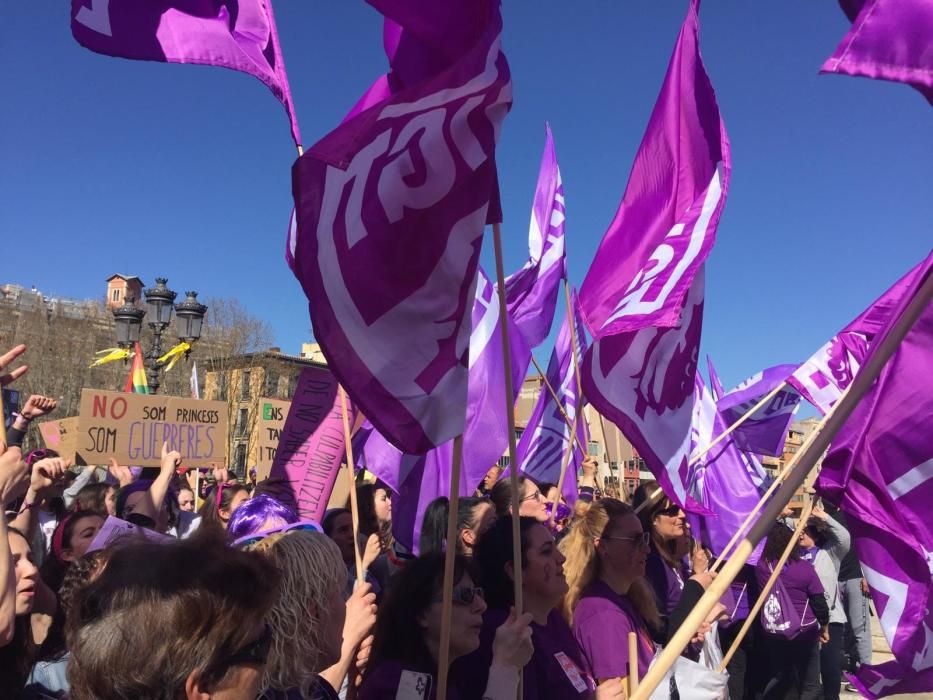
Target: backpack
{"type": "Point", "coordinates": [779, 618]}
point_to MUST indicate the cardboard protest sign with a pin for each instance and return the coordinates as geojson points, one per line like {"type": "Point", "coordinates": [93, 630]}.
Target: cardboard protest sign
{"type": "Point", "coordinates": [62, 436]}
{"type": "Point", "coordinates": [132, 427]}
{"type": "Point", "coordinates": [272, 413]}
{"type": "Point", "coordinates": [312, 446]}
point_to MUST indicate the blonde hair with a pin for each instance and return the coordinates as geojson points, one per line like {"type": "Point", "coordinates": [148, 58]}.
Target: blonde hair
{"type": "Point", "coordinates": [582, 565]}
{"type": "Point", "coordinates": [312, 571]}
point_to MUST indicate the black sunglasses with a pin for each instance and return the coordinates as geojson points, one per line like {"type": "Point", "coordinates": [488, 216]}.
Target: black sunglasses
{"type": "Point", "coordinates": [256, 652]}
{"type": "Point", "coordinates": [670, 511]}
{"type": "Point", "coordinates": [463, 595]}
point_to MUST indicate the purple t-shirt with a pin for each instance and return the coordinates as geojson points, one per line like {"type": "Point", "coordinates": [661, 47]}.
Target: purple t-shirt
{"type": "Point", "coordinates": [557, 669]}
{"type": "Point", "coordinates": [667, 583]}
{"type": "Point", "coordinates": [800, 581]}
{"type": "Point", "coordinates": [602, 621]}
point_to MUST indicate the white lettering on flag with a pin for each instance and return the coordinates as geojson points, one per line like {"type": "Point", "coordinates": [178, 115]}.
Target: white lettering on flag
{"type": "Point", "coordinates": [896, 591]}
{"type": "Point", "coordinates": [96, 17]}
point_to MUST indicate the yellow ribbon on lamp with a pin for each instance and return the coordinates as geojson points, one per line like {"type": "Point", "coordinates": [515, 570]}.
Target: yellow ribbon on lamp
{"type": "Point", "coordinates": [175, 354]}
{"type": "Point", "coordinates": [110, 355]}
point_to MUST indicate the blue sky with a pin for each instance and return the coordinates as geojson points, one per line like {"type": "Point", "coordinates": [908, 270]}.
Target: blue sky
{"type": "Point", "coordinates": [111, 165]}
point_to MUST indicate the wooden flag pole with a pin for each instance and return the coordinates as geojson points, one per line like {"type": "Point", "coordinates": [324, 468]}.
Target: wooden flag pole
{"type": "Point", "coordinates": [575, 358]}
{"type": "Point", "coordinates": [632, 663]}
{"type": "Point", "coordinates": [728, 431]}
{"type": "Point", "coordinates": [560, 408]}
{"type": "Point", "coordinates": [354, 506]}
{"type": "Point", "coordinates": [450, 553]}
{"type": "Point", "coordinates": [658, 492]}
{"type": "Point", "coordinates": [563, 467]}
{"type": "Point", "coordinates": [803, 463]}
{"type": "Point", "coordinates": [763, 596]}
{"type": "Point", "coordinates": [510, 419]}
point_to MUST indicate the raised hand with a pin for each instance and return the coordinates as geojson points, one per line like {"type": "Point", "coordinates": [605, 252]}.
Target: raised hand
{"type": "Point", "coordinates": [512, 645]}
{"type": "Point", "coordinates": [121, 473]}
{"type": "Point", "coordinates": [37, 406]}
{"type": "Point", "coordinates": [47, 473]}
{"type": "Point", "coordinates": [14, 475]}
{"type": "Point", "coordinates": [171, 460]}
{"type": "Point", "coordinates": [361, 615]}
{"type": "Point", "coordinates": [6, 359]}
{"type": "Point", "coordinates": [373, 550]}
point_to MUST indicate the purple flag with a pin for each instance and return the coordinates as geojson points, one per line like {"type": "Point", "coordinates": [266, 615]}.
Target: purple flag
{"type": "Point", "coordinates": [531, 293]}
{"type": "Point", "coordinates": [726, 482]}
{"type": "Point", "coordinates": [879, 471]}
{"type": "Point", "coordinates": [643, 295]}
{"type": "Point", "coordinates": [237, 34]}
{"type": "Point", "coordinates": [889, 40]}
{"type": "Point", "coordinates": [822, 379]}
{"type": "Point", "coordinates": [765, 430]}
{"type": "Point", "coordinates": [419, 479]}
{"type": "Point", "coordinates": [714, 384]}
{"type": "Point", "coordinates": [543, 446]}
{"type": "Point", "coordinates": [391, 208]}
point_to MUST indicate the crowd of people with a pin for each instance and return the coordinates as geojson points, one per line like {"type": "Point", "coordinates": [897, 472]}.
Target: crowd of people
{"type": "Point", "coordinates": [243, 599]}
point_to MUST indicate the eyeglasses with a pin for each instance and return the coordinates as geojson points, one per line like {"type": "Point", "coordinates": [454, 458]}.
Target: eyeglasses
{"type": "Point", "coordinates": [463, 595]}
{"type": "Point", "coordinates": [535, 496]}
{"type": "Point", "coordinates": [640, 538]}
{"type": "Point", "coordinates": [249, 540]}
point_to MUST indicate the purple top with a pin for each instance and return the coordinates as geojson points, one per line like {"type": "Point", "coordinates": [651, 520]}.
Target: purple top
{"type": "Point", "coordinates": [391, 680]}
{"type": "Point", "coordinates": [601, 623]}
{"type": "Point", "coordinates": [738, 598]}
{"type": "Point", "coordinates": [668, 584]}
{"type": "Point", "coordinates": [557, 669]}
{"type": "Point", "coordinates": [800, 581]}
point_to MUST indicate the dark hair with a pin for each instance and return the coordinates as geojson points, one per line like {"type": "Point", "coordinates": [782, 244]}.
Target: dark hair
{"type": "Point", "coordinates": [369, 523]}
{"type": "Point", "coordinates": [398, 636]}
{"type": "Point", "coordinates": [434, 523]}
{"type": "Point", "coordinates": [93, 497]}
{"type": "Point", "coordinates": [330, 519]}
{"type": "Point", "coordinates": [53, 569]}
{"type": "Point", "coordinates": [76, 577]}
{"type": "Point", "coordinates": [249, 518]}
{"type": "Point", "coordinates": [210, 510]}
{"type": "Point", "coordinates": [501, 495]}
{"type": "Point", "coordinates": [493, 551]}
{"type": "Point", "coordinates": [546, 486]}
{"type": "Point", "coordinates": [821, 533]}
{"type": "Point", "coordinates": [664, 548]}
{"type": "Point", "coordinates": [778, 539]}
{"type": "Point", "coordinates": [160, 612]}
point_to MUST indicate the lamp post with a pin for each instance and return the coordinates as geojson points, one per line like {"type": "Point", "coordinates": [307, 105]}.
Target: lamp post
{"type": "Point", "coordinates": [159, 303]}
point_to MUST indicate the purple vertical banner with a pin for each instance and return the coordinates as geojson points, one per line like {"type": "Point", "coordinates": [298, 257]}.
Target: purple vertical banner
{"type": "Point", "coordinates": [312, 447]}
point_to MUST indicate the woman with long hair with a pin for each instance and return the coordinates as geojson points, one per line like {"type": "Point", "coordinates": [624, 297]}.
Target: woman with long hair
{"type": "Point", "coordinates": [794, 654]}
{"type": "Point", "coordinates": [375, 505]}
{"type": "Point", "coordinates": [666, 522]}
{"type": "Point", "coordinates": [70, 541]}
{"type": "Point", "coordinates": [403, 663]}
{"type": "Point", "coordinates": [531, 503]}
{"type": "Point", "coordinates": [608, 595]}
{"type": "Point", "coordinates": [100, 498]}
{"type": "Point", "coordinates": [474, 517]}
{"type": "Point", "coordinates": [17, 647]}
{"type": "Point", "coordinates": [315, 635]}
{"type": "Point", "coordinates": [557, 669]}
{"type": "Point", "coordinates": [222, 501]}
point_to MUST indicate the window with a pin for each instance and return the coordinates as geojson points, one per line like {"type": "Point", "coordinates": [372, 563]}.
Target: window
{"type": "Point", "coordinates": [292, 384]}
{"type": "Point", "coordinates": [239, 460]}
{"type": "Point", "coordinates": [272, 384]}
{"type": "Point", "coordinates": [504, 461]}
{"type": "Point", "coordinates": [115, 295]}
{"type": "Point", "coordinates": [241, 422]}
{"type": "Point", "coordinates": [244, 385]}
{"type": "Point", "coordinates": [593, 449]}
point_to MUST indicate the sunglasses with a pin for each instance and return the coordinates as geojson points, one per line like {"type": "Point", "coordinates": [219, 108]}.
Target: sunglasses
{"type": "Point", "coordinates": [36, 455]}
{"type": "Point", "coordinates": [463, 595]}
{"type": "Point", "coordinates": [249, 540]}
{"type": "Point", "coordinates": [671, 511]}
{"type": "Point", "coordinates": [640, 538]}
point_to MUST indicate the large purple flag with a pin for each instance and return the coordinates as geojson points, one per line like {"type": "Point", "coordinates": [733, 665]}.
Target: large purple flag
{"type": "Point", "coordinates": [726, 482]}
{"type": "Point", "coordinates": [822, 378]}
{"type": "Point", "coordinates": [419, 479]}
{"type": "Point", "coordinates": [391, 207]}
{"type": "Point", "coordinates": [765, 430]}
{"type": "Point", "coordinates": [531, 293]}
{"type": "Point", "coordinates": [715, 385]}
{"type": "Point", "coordinates": [879, 471]}
{"type": "Point", "coordinates": [889, 40]}
{"type": "Point", "coordinates": [237, 34]}
{"type": "Point", "coordinates": [643, 295]}
{"type": "Point", "coordinates": [543, 446]}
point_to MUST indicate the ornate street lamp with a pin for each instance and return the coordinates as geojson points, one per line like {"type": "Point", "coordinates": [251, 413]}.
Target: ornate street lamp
{"type": "Point", "coordinates": [160, 304]}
